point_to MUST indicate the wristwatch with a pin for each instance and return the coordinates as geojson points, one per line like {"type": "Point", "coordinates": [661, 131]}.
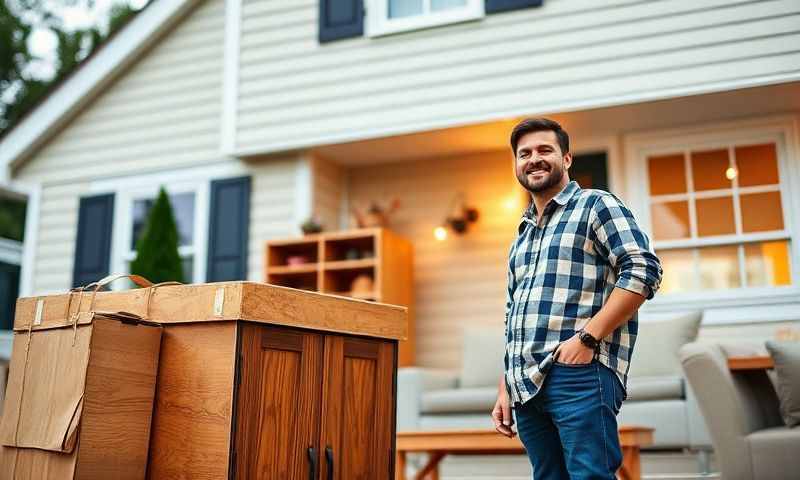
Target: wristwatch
{"type": "Point", "coordinates": [588, 339]}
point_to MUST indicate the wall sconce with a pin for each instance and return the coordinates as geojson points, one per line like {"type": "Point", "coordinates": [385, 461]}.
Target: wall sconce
{"type": "Point", "coordinates": [458, 219]}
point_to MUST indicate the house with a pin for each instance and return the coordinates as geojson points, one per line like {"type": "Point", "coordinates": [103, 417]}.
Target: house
{"type": "Point", "coordinates": [258, 113]}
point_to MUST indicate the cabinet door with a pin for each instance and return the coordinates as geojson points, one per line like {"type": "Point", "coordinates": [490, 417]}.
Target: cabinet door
{"type": "Point", "coordinates": [358, 409]}
{"type": "Point", "coordinates": [278, 403]}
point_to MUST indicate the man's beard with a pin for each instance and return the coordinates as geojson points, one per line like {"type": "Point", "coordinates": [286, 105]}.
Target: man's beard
{"type": "Point", "coordinates": [552, 178]}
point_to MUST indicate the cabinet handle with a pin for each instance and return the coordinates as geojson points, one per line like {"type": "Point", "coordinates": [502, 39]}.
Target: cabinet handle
{"type": "Point", "coordinates": [312, 458]}
{"type": "Point", "coordinates": [329, 458]}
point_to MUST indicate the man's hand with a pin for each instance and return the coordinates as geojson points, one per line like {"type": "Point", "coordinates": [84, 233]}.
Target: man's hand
{"type": "Point", "coordinates": [573, 352]}
{"type": "Point", "coordinates": [501, 414]}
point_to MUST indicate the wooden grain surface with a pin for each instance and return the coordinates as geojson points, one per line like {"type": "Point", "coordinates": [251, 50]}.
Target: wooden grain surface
{"type": "Point", "coordinates": [278, 402]}
{"type": "Point", "coordinates": [358, 407]}
{"type": "Point", "coordinates": [758, 362]}
{"type": "Point", "coordinates": [118, 401]}
{"type": "Point", "coordinates": [194, 402]}
{"type": "Point", "coordinates": [252, 301]}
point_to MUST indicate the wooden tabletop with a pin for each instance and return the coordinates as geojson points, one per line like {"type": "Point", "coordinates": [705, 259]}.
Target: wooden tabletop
{"type": "Point", "coordinates": [454, 441]}
{"type": "Point", "coordinates": [755, 362]}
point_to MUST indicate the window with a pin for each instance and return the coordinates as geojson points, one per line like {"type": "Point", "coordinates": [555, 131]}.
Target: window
{"type": "Point", "coordinates": [183, 208]}
{"type": "Point", "coordinates": [718, 216]}
{"type": "Point", "coordinates": [391, 16]}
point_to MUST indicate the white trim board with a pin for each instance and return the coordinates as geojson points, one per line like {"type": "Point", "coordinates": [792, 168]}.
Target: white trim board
{"type": "Point", "coordinates": [90, 79]}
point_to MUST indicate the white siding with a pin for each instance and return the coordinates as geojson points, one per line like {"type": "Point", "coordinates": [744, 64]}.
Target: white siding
{"type": "Point", "coordinates": [460, 281]}
{"type": "Point", "coordinates": [161, 115]}
{"type": "Point", "coordinates": [569, 54]}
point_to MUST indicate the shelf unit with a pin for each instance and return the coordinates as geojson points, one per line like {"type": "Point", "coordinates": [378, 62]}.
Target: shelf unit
{"type": "Point", "coordinates": [383, 256]}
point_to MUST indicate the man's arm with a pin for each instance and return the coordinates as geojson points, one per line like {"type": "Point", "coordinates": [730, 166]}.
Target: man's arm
{"type": "Point", "coordinates": [619, 239]}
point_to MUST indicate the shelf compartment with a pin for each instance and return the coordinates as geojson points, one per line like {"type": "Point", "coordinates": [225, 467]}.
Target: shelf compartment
{"type": "Point", "coordinates": [279, 254]}
{"type": "Point", "coordinates": [299, 280]}
{"type": "Point", "coordinates": [336, 250]}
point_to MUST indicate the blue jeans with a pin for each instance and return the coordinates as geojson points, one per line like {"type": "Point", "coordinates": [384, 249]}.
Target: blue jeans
{"type": "Point", "coordinates": [569, 428]}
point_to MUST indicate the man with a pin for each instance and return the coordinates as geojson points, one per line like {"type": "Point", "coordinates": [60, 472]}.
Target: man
{"type": "Point", "coordinates": [578, 271]}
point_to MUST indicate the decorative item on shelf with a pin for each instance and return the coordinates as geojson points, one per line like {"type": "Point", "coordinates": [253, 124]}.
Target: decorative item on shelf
{"type": "Point", "coordinates": [293, 260]}
{"type": "Point", "coordinates": [376, 215]}
{"type": "Point", "coordinates": [362, 286]}
{"type": "Point", "coordinates": [311, 225]}
{"type": "Point", "coordinates": [352, 254]}
{"type": "Point", "coordinates": [459, 216]}
{"type": "Point", "coordinates": [367, 254]}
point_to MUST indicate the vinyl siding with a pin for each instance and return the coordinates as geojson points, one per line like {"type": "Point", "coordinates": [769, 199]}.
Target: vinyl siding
{"type": "Point", "coordinates": [571, 53]}
{"type": "Point", "coordinates": [162, 115]}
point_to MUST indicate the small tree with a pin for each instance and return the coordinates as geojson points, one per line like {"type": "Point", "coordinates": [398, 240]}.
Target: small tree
{"type": "Point", "coordinates": [157, 256]}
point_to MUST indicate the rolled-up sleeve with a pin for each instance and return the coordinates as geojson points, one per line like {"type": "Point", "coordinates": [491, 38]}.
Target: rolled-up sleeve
{"type": "Point", "coordinates": [618, 237]}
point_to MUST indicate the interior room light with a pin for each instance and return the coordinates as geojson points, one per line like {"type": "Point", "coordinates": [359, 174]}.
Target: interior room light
{"type": "Point", "coordinates": [731, 173]}
{"type": "Point", "coordinates": [440, 233]}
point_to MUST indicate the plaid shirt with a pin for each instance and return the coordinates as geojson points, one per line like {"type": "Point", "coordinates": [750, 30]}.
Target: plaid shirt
{"type": "Point", "coordinates": [560, 274]}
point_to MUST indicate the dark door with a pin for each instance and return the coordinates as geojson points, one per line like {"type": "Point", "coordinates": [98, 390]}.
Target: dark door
{"type": "Point", "coordinates": [9, 290]}
{"type": "Point", "coordinates": [278, 403]}
{"type": "Point", "coordinates": [358, 416]}
{"type": "Point", "coordinates": [590, 170]}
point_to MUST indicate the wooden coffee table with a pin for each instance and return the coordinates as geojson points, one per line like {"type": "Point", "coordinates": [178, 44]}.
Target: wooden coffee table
{"type": "Point", "coordinates": [437, 444]}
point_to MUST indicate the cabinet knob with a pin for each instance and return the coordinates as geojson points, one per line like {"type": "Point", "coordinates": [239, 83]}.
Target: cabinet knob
{"type": "Point", "coordinates": [312, 459]}
{"type": "Point", "coordinates": [329, 458]}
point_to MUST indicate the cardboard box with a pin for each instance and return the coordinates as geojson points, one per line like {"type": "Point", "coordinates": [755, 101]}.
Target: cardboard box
{"type": "Point", "coordinates": [80, 396]}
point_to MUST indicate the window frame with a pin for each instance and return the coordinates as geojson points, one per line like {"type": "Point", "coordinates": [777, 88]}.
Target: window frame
{"type": "Point", "coordinates": [378, 22]}
{"type": "Point", "coordinates": [780, 130]}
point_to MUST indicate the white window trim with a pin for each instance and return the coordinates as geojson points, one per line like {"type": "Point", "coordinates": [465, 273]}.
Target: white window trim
{"type": "Point", "coordinates": [378, 22]}
{"type": "Point", "coordinates": [126, 189]}
{"type": "Point", "coordinates": [783, 130]}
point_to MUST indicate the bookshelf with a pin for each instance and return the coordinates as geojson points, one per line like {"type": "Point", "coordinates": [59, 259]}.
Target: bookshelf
{"type": "Point", "coordinates": [372, 264]}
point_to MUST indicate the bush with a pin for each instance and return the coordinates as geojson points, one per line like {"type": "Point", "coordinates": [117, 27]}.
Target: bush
{"type": "Point", "coordinates": [157, 256]}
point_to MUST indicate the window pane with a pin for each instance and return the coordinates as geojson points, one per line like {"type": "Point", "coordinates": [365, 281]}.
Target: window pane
{"type": "Point", "coordinates": [757, 164]}
{"type": "Point", "coordinates": [182, 209]}
{"type": "Point", "coordinates": [719, 267]}
{"type": "Point", "coordinates": [678, 268]}
{"type": "Point", "coordinates": [670, 220]}
{"type": "Point", "coordinates": [667, 174]}
{"type": "Point", "coordinates": [715, 216]}
{"type": "Point", "coordinates": [767, 263]}
{"type": "Point", "coordinates": [761, 212]}
{"type": "Point", "coordinates": [405, 8]}
{"type": "Point", "coordinates": [708, 170]}
{"type": "Point", "coordinates": [439, 5]}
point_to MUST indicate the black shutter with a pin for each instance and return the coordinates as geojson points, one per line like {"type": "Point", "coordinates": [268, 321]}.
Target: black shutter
{"type": "Point", "coordinates": [340, 19]}
{"type": "Point", "coordinates": [229, 219]}
{"type": "Point", "coordinates": [93, 245]}
{"type": "Point", "coordinates": [494, 6]}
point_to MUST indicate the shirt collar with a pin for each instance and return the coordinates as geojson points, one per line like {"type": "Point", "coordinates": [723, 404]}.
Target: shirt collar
{"type": "Point", "coordinates": [561, 198]}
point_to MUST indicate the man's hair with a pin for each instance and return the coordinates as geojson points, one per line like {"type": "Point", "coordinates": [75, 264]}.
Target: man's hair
{"type": "Point", "coordinates": [539, 125]}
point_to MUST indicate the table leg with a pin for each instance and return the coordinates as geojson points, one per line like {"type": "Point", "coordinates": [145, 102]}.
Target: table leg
{"type": "Point", "coordinates": [631, 468]}
{"type": "Point", "coordinates": [431, 469]}
{"type": "Point", "coordinates": [400, 465]}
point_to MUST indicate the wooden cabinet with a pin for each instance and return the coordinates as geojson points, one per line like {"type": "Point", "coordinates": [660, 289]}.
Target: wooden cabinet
{"type": "Point", "coordinates": [370, 264]}
{"type": "Point", "coordinates": [313, 406]}
{"type": "Point", "coordinates": [263, 382]}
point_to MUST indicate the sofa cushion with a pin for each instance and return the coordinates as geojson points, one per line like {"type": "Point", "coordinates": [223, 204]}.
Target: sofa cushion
{"type": "Point", "coordinates": [775, 452]}
{"type": "Point", "coordinates": [482, 352]}
{"type": "Point", "coordinates": [459, 400]}
{"type": "Point", "coordinates": [786, 356]}
{"type": "Point", "coordinates": [655, 388]}
{"type": "Point", "coordinates": [668, 418]}
{"type": "Point", "coordinates": [658, 341]}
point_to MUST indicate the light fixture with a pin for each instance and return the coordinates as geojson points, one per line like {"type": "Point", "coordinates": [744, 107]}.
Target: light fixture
{"type": "Point", "coordinates": [440, 233]}
{"type": "Point", "coordinates": [731, 173]}
{"type": "Point", "coordinates": [459, 215]}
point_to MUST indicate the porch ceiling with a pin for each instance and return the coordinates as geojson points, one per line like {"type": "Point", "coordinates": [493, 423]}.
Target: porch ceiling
{"type": "Point", "coordinates": [601, 122]}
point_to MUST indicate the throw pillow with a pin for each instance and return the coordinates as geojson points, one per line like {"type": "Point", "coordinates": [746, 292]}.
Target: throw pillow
{"type": "Point", "coordinates": [786, 356]}
{"type": "Point", "coordinates": [658, 341]}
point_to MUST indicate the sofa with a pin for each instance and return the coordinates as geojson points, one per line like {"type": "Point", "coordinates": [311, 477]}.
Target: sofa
{"type": "Point", "coordinates": [750, 438]}
{"type": "Point", "coordinates": [658, 395]}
